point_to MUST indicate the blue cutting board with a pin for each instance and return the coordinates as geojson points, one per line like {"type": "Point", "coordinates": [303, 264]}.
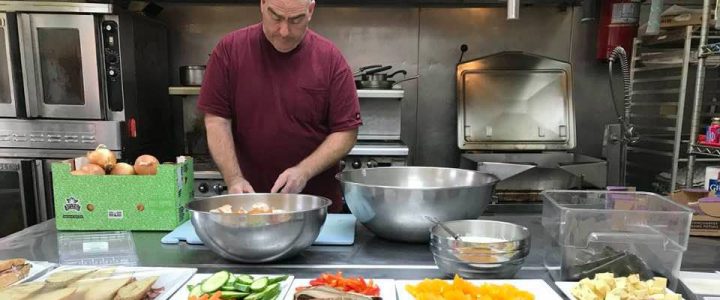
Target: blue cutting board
{"type": "Point", "coordinates": [338, 230]}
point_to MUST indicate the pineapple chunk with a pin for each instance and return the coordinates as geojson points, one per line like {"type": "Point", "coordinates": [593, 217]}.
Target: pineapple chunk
{"type": "Point", "coordinates": [660, 282]}
{"type": "Point", "coordinates": [634, 278]}
{"type": "Point", "coordinates": [672, 297]}
{"type": "Point", "coordinates": [605, 286]}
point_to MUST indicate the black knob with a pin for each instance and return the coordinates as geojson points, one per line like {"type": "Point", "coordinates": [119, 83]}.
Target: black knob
{"type": "Point", "coordinates": [111, 58]}
{"type": "Point", "coordinates": [342, 165]}
{"type": "Point", "coordinates": [219, 188]}
{"type": "Point", "coordinates": [372, 163]}
{"type": "Point", "coordinates": [203, 188]}
{"type": "Point", "coordinates": [109, 27]}
{"type": "Point", "coordinates": [356, 164]}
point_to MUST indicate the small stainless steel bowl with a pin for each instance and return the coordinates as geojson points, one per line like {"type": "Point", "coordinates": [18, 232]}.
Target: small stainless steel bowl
{"type": "Point", "coordinates": [480, 259]}
{"type": "Point", "coordinates": [393, 202]}
{"type": "Point", "coordinates": [262, 237]}
{"type": "Point", "coordinates": [192, 75]}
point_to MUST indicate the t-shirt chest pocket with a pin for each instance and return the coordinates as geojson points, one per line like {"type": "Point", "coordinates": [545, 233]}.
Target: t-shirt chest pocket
{"type": "Point", "coordinates": [309, 102]}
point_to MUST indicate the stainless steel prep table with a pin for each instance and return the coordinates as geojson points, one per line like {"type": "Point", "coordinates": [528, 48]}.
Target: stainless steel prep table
{"type": "Point", "coordinates": [370, 256]}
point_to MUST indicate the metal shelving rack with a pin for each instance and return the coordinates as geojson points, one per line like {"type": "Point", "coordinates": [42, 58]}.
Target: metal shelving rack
{"type": "Point", "coordinates": [698, 118]}
{"type": "Point", "coordinates": [661, 74]}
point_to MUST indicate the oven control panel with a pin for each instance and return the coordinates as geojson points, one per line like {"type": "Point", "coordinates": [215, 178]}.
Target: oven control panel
{"type": "Point", "coordinates": [361, 162]}
{"type": "Point", "coordinates": [111, 52]}
{"type": "Point", "coordinates": [209, 187]}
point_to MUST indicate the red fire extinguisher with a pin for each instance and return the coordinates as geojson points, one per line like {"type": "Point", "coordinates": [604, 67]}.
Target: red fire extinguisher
{"type": "Point", "coordinates": [618, 26]}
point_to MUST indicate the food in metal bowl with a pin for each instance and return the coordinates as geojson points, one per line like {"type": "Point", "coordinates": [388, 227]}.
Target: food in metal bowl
{"type": "Point", "coordinates": [486, 249]}
{"type": "Point", "coordinates": [256, 208]}
{"type": "Point", "coordinates": [256, 238]}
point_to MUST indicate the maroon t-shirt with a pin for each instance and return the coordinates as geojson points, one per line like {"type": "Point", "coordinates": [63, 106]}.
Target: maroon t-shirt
{"type": "Point", "coordinates": [282, 105]}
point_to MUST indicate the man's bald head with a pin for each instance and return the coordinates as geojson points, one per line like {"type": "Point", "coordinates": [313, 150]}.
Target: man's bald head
{"type": "Point", "coordinates": [285, 22]}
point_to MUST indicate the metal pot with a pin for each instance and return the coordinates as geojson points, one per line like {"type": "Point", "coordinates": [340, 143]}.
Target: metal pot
{"type": "Point", "coordinates": [192, 75]}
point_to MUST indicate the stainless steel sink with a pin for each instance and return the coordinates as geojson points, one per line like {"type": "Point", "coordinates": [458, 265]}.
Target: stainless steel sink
{"type": "Point", "coordinates": [539, 171]}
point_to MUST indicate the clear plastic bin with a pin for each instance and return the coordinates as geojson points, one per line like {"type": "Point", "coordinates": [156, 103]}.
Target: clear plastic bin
{"type": "Point", "coordinates": [97, 248]}
{"type": "Point", "coordinates": [620, 232]}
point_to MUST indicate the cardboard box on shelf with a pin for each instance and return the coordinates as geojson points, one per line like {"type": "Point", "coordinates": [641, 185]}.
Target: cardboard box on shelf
{"type": "Point", "coordinates": [706, 218]}
{"type": "Point", "coordinates": [122, 202]}
{"type": "Point", "coordinates": [680, 20]}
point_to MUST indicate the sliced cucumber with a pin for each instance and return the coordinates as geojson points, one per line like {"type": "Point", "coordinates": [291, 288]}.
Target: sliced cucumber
{"type": "Point", "coordinates": [259, 285]}
{"type": "Point", "coordinates": [196, 291]}
{"type": "Point", "coordinates": [215, 282]}
{"type": "Point", "coordinates": [271, 295]}
{"type": "Point", "coordinates": [255, 296]}
{"type": "Point", "coordinates": [271, 292]}
{"type": "Point", "coordinates": [231, 280]}
{"type": "Point", "coordinates": [190, 287]}
{"type": "Point", "coordinates": [228, 287]}
{"type": "Point", "coordinates": [241, 287]}
{"type": "Point", "coordinates": [278, 279]}
{"type": "Point", "coordinates": [245, 279]}
{"type": "Point", "coordinates": [233, 295]}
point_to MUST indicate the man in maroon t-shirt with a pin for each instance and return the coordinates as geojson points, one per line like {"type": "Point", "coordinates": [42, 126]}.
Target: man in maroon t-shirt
{"type": "Point", "coordinates": [280, 105]}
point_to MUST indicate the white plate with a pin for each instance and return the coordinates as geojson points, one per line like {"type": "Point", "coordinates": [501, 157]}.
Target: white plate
{"type": "Point", "coordinates": [700, 283]}
{"type": "Point", "coordinates": [183, 293]}
{"type": "Point", "coordinates": [37, 269]}
{"type": "Point", "coordinates": [567, 286]}
{"type": "Point", "coordinates": [171, 279]}
{"type": "Point", "coordinates": [538, 287]}
{"type": "Point", "coordinates": [387, 288]}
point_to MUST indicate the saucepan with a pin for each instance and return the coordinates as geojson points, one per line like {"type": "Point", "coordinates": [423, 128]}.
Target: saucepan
{"type": "Point", "coordinates": [192, 75]}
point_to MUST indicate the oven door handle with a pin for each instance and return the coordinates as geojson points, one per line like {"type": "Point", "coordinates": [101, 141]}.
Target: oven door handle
{"type": "Point", "coordinates": [28, 189]}
{"type": "Point", "coordinates": [30, 66]}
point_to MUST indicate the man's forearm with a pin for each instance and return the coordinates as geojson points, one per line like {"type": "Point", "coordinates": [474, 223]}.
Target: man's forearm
{"type": "Point", "coordinates": [222, 147]}
{"type": "Point", "coordinates": [335, 147]}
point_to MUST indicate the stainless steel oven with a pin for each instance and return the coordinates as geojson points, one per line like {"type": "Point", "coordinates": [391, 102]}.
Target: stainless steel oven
{"type": "Point", "coordinates": [55, 65]}
{"type": "Point", "coordinates": [73, 76]}
{"type": "Point", "coordinates": [22, 194]}
{"type": "Point", "coordinates": [70, 62]}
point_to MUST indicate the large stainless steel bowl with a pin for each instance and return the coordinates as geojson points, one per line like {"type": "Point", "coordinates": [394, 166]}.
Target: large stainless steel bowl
{"type": "Point", "coordinates": [393, 201]}
{"type": "Point", "coordinates": [486, 249]}
{"type": "Point", "coordinates": [263, 237]}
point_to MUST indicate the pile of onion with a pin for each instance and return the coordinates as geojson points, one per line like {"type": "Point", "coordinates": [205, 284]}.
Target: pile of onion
{"type": "Point", "coordinates": [102, 161]}
{"type": "Point", "coordinates": [146, 165]}
{"type": "Point", "coordinates": [122, 169]}
{"type": "Point", "coordinates": [102, 157]}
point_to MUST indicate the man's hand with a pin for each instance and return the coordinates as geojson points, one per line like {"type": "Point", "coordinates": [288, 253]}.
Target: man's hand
{"type": "Point", "coordinates": [240, 186]}
{"type": "Point", "coordinates": [292, 181]}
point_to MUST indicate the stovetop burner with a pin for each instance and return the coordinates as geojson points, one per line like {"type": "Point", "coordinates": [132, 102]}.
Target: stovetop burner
{"type": "Point", "coordinates": [204, 163]}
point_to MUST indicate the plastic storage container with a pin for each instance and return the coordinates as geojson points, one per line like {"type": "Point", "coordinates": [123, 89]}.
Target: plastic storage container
{"type": "Point", "coordinates": [620, 232]}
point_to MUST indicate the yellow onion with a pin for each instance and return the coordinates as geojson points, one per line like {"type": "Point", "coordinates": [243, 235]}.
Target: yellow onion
{"type": "Point", "coordinates": [146, 165]}
{"type": "Point", "coordinates": [92, 169]}
{"type": "Point", "coordinates": [79, 172]}
{"type": "Point", "coordinates": [122, 169]}
{"type": "Point", "coordinates": [102, 157]}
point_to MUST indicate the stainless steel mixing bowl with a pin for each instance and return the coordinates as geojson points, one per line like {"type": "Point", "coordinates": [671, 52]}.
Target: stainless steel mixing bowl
{"type": "Point", "coordinates": [393, 201]}
{"type": "Point", "coordinates": [262, 237]}
{"type": "Point", "coordinates": [486, 249]}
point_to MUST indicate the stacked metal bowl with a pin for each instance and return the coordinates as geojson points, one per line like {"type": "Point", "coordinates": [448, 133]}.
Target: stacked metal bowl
{"type": "Point", "coordinates": [485, 249]}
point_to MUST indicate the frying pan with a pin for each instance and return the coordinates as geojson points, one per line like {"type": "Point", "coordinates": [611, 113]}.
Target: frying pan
{"type": "Point", "coordinates": [380, 84]}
